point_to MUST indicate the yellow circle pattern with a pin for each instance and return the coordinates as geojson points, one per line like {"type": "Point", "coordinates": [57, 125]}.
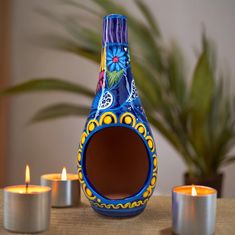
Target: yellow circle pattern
{"type": "Point", "coordinates": [150, 142]}
{"type": "Point", "coordinates": [79, 156]}
{"type": "Point", "coordinates": [155, 162]}
{"type": "Point", "coordinates": [91, 125]}
{"type": "Point", "coordinates": [146, 193]}
{"type": "Point", "coordinates": [140, 127]}
{"type": "Point", "coordinates": [80, 176]}
{"type": "Point", "coordinates": [129, 119]}
{"type": "Point", "coordinates": [88, 192]}
{"type": "Point", "coordinates": [153, 181]}
{"type": "Point", "coordinates": [83, 139]}
{"type": "Point", "coordinates": [108, 118]}
{"type": "Point", "coordinates": [141, 130]}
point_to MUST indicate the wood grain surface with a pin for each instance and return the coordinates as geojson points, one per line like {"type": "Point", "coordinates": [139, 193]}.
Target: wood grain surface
{"type": "Point", "coordinates": [156, 219]}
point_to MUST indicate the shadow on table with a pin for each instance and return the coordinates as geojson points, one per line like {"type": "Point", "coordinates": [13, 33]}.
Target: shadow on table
{"type": "Point", "coordinates": [83, 205]}
{"type": "Point", "coordinates": [167, 231]}
{"type": "Point", "coordinates": [80, 205]}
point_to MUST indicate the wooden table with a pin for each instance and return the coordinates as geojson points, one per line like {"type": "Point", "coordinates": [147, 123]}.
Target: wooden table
{"type": "Point", "coordinates": [156, 219]}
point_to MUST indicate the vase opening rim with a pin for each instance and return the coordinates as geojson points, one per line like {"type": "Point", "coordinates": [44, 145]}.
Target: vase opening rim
{"type": "Point", "coordinates": [110, 16]}
{"type": "Point", "coordinates": [111, 162]}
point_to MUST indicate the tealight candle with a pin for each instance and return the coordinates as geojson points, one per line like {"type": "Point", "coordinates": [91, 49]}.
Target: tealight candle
{"type": "Point", "coordinates": [194, 210]}
{"type": "Point", "coordinates": [65, 188]}
{"type": "Point", "coordinates": [26, 207]}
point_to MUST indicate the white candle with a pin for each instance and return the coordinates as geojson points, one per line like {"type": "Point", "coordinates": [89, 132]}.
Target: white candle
{"type": "Point", "coordinates": [26, 207]}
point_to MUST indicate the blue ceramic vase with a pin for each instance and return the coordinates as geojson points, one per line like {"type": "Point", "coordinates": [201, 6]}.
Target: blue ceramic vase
{"type": "Point", "coordinates": [117, 160]}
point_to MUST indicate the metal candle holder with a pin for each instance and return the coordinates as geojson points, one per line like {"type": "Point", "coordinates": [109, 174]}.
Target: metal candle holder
{"type": "Point", "coordinates": [194, 214]}
{"type": "Point", "coordinates": [65, 193]}
{"type": "Point", "coordinates": [26, 210]}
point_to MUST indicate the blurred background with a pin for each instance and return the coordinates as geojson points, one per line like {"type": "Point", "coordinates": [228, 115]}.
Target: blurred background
{"type": "Point", "coordinates": [50, 145]}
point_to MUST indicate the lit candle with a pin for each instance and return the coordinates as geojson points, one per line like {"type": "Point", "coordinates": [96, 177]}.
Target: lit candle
{"type": "Point", "coordinates": [65, 188]}
{"type": "Point", "coordinates": [26, 207]}
{"type": "Point", "coordinates": [194, 210]}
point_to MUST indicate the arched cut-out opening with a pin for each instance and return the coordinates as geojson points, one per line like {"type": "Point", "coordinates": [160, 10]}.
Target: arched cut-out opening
{"type": "Point", "coordinates": [116, 162]}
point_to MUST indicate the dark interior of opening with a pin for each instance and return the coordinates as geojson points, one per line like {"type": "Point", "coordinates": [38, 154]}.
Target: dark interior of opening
{"type": "Point", "coordinates": [117, 162]}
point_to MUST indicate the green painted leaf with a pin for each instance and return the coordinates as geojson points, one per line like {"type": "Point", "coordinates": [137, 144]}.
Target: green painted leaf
{"type": "Point", "coordinates": [114, 77]}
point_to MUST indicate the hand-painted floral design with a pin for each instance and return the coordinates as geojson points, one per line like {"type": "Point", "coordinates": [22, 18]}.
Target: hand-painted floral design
{"type": "Point", "coordinates": [101, 80]}
{"type": "Point", "coordinates": [116, 58]}
{"type": "Point", "coordinates": [106, 100]}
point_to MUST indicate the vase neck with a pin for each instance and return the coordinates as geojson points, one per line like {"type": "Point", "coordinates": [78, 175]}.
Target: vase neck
{"type": "Point", "coordinates": [115, 58]}
{"type": "Point", "coordinates": [114, 30]}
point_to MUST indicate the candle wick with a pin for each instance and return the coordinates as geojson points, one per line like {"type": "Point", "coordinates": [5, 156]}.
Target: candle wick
{"type": "Point", "coordinates": [26, 187]}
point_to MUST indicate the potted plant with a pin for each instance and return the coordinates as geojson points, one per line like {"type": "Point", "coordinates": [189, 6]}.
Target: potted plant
{"type": "Point", "coordinates": [195, 115]}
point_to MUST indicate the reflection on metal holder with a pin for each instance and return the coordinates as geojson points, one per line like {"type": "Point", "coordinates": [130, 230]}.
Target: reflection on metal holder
{"type": "Point", "coordinates": [194, 215]}
{"type": "Point", "coordinates": [27, 212]}
{"type": "Point", "coordinates": [65, 193]}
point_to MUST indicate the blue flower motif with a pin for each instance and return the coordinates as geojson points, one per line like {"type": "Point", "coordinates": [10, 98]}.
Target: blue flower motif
{"type": "Point", "coordinates": [116, 59]}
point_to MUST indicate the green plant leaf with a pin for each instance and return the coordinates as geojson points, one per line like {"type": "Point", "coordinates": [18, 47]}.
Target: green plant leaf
{"type": "Point", "coordinates": [48, 84]}
{"type": "Point", "coordinates": [229, 160]}
{"type": "Point", "coordinates": [138, 32]}
{"type": "Point", "coordinates": [110, 7]}
{"type": "Point", "coordinates": [114, 77]}
{"type": "Point", "coordinates": [202, 88]}
{"type": "Point", "coordinates": [200, 101]}
{"type": "Point", "coordinates": [176, 74]}
{"type": "Point", "coordinates": [61, 43]}
{"type": "Point", "coordinates": [81, 6]}
{"type": "Point", "coordinates": [170, 136]}
{"type": "Point", "coordinates": [78, 40]}
{"type": "Point", "coordinates": [149, 17]}
{"type": "Point", "coordinates": [59, 111]}
{"type": "Point", "coordinates": [196, 119]}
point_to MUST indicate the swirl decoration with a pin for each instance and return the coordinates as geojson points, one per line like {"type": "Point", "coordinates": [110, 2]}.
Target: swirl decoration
{"type": "Point", "coordinates": [129, 119]}
{"type": "Point", "coordinates": [134, 93]}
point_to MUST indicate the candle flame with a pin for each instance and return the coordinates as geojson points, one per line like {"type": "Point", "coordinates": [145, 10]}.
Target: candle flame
{"type": "Point", "coordinates": [27, 174]}
{"type": "Point", "coordinates": [194, 191]}
{"type": "Point", "coordinates": [64, 174]}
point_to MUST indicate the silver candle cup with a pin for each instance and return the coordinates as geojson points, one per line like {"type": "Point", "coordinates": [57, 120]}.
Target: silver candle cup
{"type": "Point", "coordinates": [26, 211]}
{"type": "Point", "coordinates": [64, 193]}
{"type": "Point", "coordinates": [194, 214]}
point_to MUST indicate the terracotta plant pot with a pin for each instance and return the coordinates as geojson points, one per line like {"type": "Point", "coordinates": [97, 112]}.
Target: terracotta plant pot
{"type": "Point", "coordinates": [117, 161]}
{"type": "Point", "coordinates": [215, 182]}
